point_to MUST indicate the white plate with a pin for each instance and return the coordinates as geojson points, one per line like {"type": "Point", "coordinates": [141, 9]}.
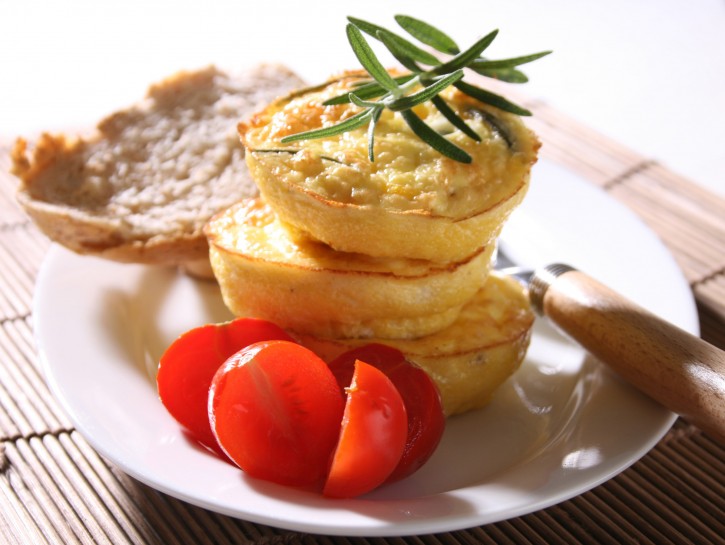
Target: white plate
{"type": "Point", "coordinates": [560, 426]}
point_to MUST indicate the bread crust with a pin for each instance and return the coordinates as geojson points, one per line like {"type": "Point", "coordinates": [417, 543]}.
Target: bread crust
{"type": "Point", "coordinates": [141, 187]}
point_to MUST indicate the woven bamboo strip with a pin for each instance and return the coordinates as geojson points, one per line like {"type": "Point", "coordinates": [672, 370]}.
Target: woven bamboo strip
{"type": "Point", "coordinates": [646, 527]}
{"type": "Point", "coordinates": [143, 518]}
{"type": "Point", "coordinates": [28, 246]}
{"type": "Point", "coordinates": [708, 221]}
{"type": "Point", "coordinates": [194, 519]}
{"type": "Point", "coordinates": [538, 533]}
{"type": "Point", "coordinates": [715, 449]}
{"type": "Point", "coordinates": [23, 521]}
{"type": "Point", "coordinates": [17, 397]}
{"type": "Point", "coordinates": [52, 514]}
{"type": "Point", "coordinates": [165, 516]}
{"type": "Point", "coordinates": [17, 285]}
{"type": "Point", "coordinates": [17, 420]}
{"type": "Point", "coordinates": [21, 251]}
{"type": "Point", "coordinates": [171, 527]}
{"type": "Point", "coordinates": [10, 212]}
{"type": "Point", "coordinates": [551, 529]}
{"type": "Point", "coordinates": [128, 498]}
{"type": "Point", "coordinates": [711, 296]}
{"type": "Point", "coordinates": [610, 521]}
{"type": "Point", "coordinates": [650, 527]}
{"type": "Point", "coordinates": [109, 507]}
{"type": "Point", "coordinates": [677, 522]}
{"type": "Point", "coordinates": [708, 503]}
{"type": "Point", "coordinates": [10, 425]}
{"type": "Point", "coordinates": [683, 191]}
{"type": "Point", "coordinates": [74, 490]}
{"type": "Point", "coordinates": [429, 539]}
{"type": "Point", "coordinates": [701, 453]}
{"type": "Point", "coordinates": [480, 535]}
{"type": "Point", "coordinates": [681, 502]}
{"type": "Point", "coordinates": [162, 517]}
{"type": "Point", "coordinates": [693, 230]}
{"type": "Point", "coordinates": [33, 409]}
{"type": "Point", "coordinates": [21, 333]}
{"type": "Point", "coordinates": [596, 158]}
{"type": "Point", "coordinates": [497, 534]}
{"type": "Point", "coordinates": [694, 267]}
{"type": "Point", "coordinates": [592, 524]}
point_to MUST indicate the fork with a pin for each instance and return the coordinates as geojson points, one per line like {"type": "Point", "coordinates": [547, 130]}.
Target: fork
{"type": "Point", "coordinates": [677, 369]}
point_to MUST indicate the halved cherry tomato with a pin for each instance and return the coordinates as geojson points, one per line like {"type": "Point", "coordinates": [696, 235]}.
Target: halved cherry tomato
{"type": "Point", "coordinates": [188, 366]}
{"type": "Point", "coordinates": [275, 409]}
{"type": "Point", "coordinates": [426, 421]}
{"type": "Point", "coordinates": [373, 435]}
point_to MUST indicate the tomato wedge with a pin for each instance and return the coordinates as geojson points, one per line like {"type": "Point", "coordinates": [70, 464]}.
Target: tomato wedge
{"type": "Point", "coordinates": [372, 437]}
{"type": "Point", "coordinates": [275, 409]}
{"type": "Point", "coordinates": [188, 366]}
{"type": "Point", "coordinates": [426, 420]}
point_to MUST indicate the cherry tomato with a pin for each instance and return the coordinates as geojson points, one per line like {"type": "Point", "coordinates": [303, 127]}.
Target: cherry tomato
{"type": "Point", "coordinates": [188, 366]}
{"type": "Point", "coordinates": [372, 437]}
{"type": "Point", "coordinates": [426, 420]}
{"type": "Point", "coordinates": [275, 409]}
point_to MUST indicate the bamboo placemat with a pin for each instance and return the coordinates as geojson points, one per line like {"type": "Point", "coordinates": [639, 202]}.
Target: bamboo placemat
{"type": "Point", "coordinates": [54, 488]}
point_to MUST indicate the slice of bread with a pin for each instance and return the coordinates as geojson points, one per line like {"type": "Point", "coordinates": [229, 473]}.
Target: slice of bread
{"type": "Point", "coordinates": [142, 186]}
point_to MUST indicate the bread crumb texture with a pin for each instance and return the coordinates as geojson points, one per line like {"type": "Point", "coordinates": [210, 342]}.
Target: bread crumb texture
{"type": "Point", "coordinates": [159, 169]}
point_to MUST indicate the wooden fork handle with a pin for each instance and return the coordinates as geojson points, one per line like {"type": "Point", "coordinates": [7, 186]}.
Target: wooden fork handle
{"type": "Point", "coordinates": [677, 369]}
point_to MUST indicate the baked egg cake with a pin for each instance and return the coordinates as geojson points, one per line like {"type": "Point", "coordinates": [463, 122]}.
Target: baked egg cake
{"type": "Point", "coordinates": [473, 356]}
{"type": "Point", "coordinates": [266, 271]}
{"type": "Point", "coordinates": [343, 251]}
{"type": "Point", "coordinates": [411, 201]}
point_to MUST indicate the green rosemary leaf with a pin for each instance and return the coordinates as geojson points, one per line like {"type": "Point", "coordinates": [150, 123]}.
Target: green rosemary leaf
{"type": "Point", "coordinates": [454, 119]}
{"type": "Point", "coordinates": [509, 75]}
{"type": "Point", "coordinates": [305, 90]}
{"type": "Point", "coordinates": [427, 34]}
{"type": "Point", "coordinates": [369, 89]}
{"type": "Point", "coordinates": [272, 150]}
{"type": "Point", "coordinates": [497, 127]}
{"type": "Point", "coordinates": [433, 139]}
{"type": "Point", "coordinates": [490, 98]}
{"type": "Point", "coordinates": [468, 56]}
{"type": "Point", "coordinates": [364, 103]}
{"type": "Point", "coordinates": [413, 51]}
{"type": "Point", "coordinates": [398, 79]}
{"type": "Point", "coordinates": [371, 134]}
{"type": "Point", "coordinates": [351, 123]}
{"type": "Point", "coordinates": [425, 94]}
{"type": "Point", "coordinates": [369, 61]}
{"type": "Point", "coordinates": [368, 28]}
{"type": "Point", "coordinates": [345, 99]}
{"type": "Point", "coordinates": [401, 94]}
{"type": "Point", "coordinates": [292, 152]}
{"type": "Point", "coordinates": [507, 63]}
{"type": "Point", "coordinates": [399, 51]}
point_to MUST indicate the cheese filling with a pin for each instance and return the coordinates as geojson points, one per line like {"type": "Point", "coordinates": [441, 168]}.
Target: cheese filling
{"type": "Point", "coordinates": [407, 174]}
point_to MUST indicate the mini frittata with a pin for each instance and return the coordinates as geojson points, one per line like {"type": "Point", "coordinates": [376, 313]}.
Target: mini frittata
{"type": "Point", "coordinates": [411, 201]}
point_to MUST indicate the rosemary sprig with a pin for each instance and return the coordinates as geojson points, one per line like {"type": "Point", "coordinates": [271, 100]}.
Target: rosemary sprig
{"type": "Point", "coordinates": [291, 152]}
{"type": "Point", "coordinates": [433, 74]}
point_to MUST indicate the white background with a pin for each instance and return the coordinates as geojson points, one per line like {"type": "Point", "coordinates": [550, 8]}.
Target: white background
{"type": "Point", "coordinates": [648, 73]}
